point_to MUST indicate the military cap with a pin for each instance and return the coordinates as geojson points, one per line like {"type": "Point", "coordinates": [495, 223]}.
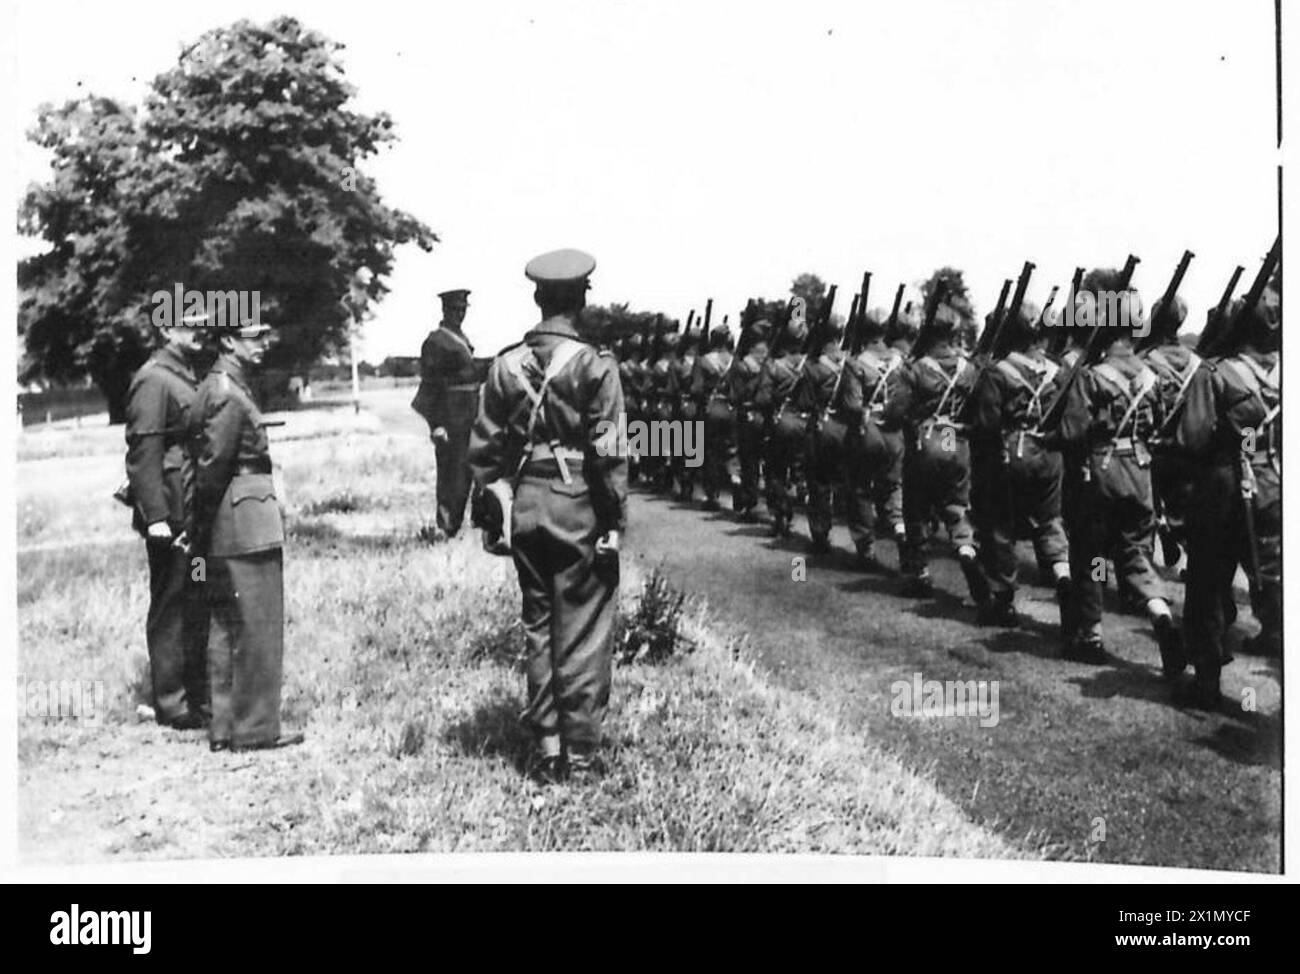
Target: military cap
{"type": "Point", "coordinates": [566, 266]}
{"type": "Point", "coordinates": [453, 295]}
{"type": "Point", "coordinates": [760, 329]}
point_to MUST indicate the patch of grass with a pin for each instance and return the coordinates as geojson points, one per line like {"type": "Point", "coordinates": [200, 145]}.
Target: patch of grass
{"type": "Point", "coordinates": [402, 668]}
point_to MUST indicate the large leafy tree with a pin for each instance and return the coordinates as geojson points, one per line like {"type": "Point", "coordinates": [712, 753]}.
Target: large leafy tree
{"type": "Point", "coordinates": [240, 172]}
{"type": "Point", "coordinates": [956, 296]}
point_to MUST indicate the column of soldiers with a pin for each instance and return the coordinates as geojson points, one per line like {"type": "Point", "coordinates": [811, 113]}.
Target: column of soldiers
{"type": "Point", "coordinates": [1092, 432]}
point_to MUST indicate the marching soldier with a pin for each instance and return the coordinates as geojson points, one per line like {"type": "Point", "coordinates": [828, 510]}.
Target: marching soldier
{"type": "Point", "coordinates": [1016, 477]}
{"type": "Point", "coordinates": [160, 472]}
{"type": "Point", "coordinates": [814, 398]}
{"type": "Point", "coordinates": [1109, 418]}
{"type": "Point", "coordinates": [873, 454]}
{"type": "Point", "coordinates": [741, 383]}
{"type": "Point", "coordinates": [684, 407]}
{"type": "Point", "coordinates": [447, 399]}
{"type": "Point", "coordinates": [547, 427]}
{"type": "Point", "coordinates": [1171, 475]}
{"type": "Point", "coordinates": [927, 394]}
{"type": "Point", "coordinates": [708, 389]}
{"type": "Point", "coordinates": [1230, 431]}
{"type": "Point", "coordinates": [631, 370]}
{"type": "Point", "coordinates": [240, 533]}
{"type": "Point", "coordinates": [659, 400]}
{"type": "Point", "coordinates": [787, 429]}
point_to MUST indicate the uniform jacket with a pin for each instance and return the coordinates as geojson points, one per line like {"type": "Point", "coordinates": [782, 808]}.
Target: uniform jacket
{"type": "Point", "coordinates": [1173, 363]}
{"type": "Point", "coordinates": [235, 508]}
{"type": "Point", "coordinates": [741, 382]}
{"type": "Point", "coordinates": [707, 376]}
{"type": "Point", "coordinates": [449, 380]}
{"type": "Point", "coordinates": [582, 405]}
{"type": "Point", "coordinates": [158, 463]}
{"type": "Point", "coordinates": [922, 390]}
{"type": "Point", "coordinates": [679, 377]}
{"type": "Point", "coordinates": [1101, 404]}
{"type": "Point", "coordinates": [1225, 400]}
{"type": "Point", "coordinates": [819, 382]}
{"type": "Point", "coordinates": [1012, 394]}
{"type": "Point", "coordinates": [777, 380]}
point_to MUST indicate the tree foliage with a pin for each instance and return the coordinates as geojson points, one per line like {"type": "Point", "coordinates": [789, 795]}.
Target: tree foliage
{"type": "Point", "coordinates": [239, 172]}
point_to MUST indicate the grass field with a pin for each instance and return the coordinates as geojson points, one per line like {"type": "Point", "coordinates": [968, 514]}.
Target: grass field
{"type": "Point", "coordinates": [401, 668]}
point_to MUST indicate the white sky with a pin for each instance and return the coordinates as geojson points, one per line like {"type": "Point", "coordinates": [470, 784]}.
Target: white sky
{"type": "Point", "coordinates": [718, 149]}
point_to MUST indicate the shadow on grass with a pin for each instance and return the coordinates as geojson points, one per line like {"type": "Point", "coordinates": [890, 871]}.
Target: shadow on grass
{"type": "Point", "coordinates": [493, 730]}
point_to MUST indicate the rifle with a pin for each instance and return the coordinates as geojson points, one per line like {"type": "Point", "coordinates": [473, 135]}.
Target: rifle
{"type": "Point", "coordinates": [815, 330]}
{"type": "Point", "coordinates": [995, 350]}
{"type": "Point", "coordinates": [862, 295]}
{"type": "Point", "coordinates": [1052, 416]}
{"type": "Point", "coordinates": [850, 326]}
{"type": "Point", "coordinates": [925, 337]}
{"type": "Point", "coordinates": [1061, 337]}
{"type": "Point", "coordinates": [893, 313]}
{"type": "Point", "coordinates": [1051, 300]}
{"type": "Point", "coordinates": [708, 317]}
{"type": "Point", "coordinates": [1166, 300]}
{"type": "Point", "coordinates": [690, 318]}
{"type": "Point", "coordinates": [1212, 345]}
{"type": "Point", "coordinates": [985, 342]}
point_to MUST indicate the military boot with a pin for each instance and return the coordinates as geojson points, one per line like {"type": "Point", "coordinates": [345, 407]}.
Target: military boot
{"type": "Point", "coordinates": [998, 611]}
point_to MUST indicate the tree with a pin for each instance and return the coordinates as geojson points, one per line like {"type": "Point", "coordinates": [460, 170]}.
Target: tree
{"type": "Point", "coordinates": [239, 173]}
{"type": "Point", "coordinates": [956, 297]}
{"type": "Point", "coordinates": [811, 288]}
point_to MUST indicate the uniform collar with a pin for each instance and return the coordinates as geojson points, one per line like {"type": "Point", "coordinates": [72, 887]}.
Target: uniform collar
{"type": "Point", "coordinates": [175, 360]}
{"type": "Point", "coordinates": [228, 364]}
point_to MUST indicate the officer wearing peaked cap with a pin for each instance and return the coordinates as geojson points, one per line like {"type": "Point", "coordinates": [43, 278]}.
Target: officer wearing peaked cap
{"type": "Point", "coordinates": [547, 432]}
{"type": "Point", "coordinates": [448, 399]}
{"type": "Point", "coordinates": [239, 531]}
{"type": "Point", "coordinates": [160, 475]}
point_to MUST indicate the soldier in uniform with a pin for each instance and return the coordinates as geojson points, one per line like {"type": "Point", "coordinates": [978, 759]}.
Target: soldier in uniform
{"type": "Point", "coordinates": [240, 533]}
{"type": "Point", "coordinates": [708, 390]}
{"type": "Point", "coordinates": [1171, 475]}
{"type": "Point", "coordinates": [814, 399]}
{"type": "Point", "coordinates": [1230, 431]}
{"type": "Point", "coordinates": [1109, 418]}
{"type": "Point", "coordinates": [160, 472]}
{"type": "Point", "coordinates": [787, 429]}
{"type": "Point", "coordinates": [1016, 477]}
{"type": "Point", "coordinates": [547, 426]}
{"type": "Point", "coordinates": [684, 408]}
{"type": "Point", "coordinates": [873, 451]}
{"type": "Point", "coordinates": [631, 370]}
{"type": "Point", "coordinates": [741, 384]}
{"type": "Point", "coordinates": [926, 396]}
{"type": "Point", "coordinates": [659, 369]}
{"type": "Point", "coordinates": [447, 399]}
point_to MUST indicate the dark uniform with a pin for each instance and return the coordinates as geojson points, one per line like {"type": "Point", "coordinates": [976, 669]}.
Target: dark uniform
{"type": "Point", "coordinates": [161, 474]}
{"type": "Point", "coordinates": [547, 425]}
{"type": "Point", "coordinates": [873, 452]}
{"type": "Point", "coordinates": [741, 384]}
{"type": "Point", "coordinates": [1230, 430]}
{"type": "Point", "coordinates": [787, 432]}
{"type": "Point", "coordinates": [926, 395]}
{"type": "Point", "coordinates": [1109, 418]}
{"type": "Point", "coordinates": [448, 400]}
{"type": "Point", "coordinates": [1016, 476]}
{"type": "Point", "coordinates": [240, 533]}
{"type": "Point", "coordinates": [631, 371]}
{"type": "Point", "coordinates": [824, 446]}
{"type": "Point", "coordinates": [685, 411]}
{"type": "Point", "coordinates": [1171, 474]}
{"type": "Point", "coordinates": [708, 390]}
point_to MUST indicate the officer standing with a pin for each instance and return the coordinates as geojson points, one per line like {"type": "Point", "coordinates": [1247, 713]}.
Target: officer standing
{"type": "Point", "coordinates": [547, 427]}
{"type": "Point", "coordinates": [448, 399]}
{"type": "Point", "coordinates": [160, 472]}
{"type": "Point", "coordinates": [239, 532]}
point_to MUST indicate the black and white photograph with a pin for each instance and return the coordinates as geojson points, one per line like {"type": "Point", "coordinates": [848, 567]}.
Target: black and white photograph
{"type": "Point", "coordinates": [707, 442]}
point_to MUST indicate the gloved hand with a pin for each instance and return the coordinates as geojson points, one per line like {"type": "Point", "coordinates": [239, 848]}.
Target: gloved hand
{"type": "Point", "coordinates": [159, 531]}
{"type": "Point", "coordinates": [440, 434]}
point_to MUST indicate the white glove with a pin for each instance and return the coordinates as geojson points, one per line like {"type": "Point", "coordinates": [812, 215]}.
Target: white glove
{"type": "Point", "coordinates": [607, 544]}
{"type": "Point", "coordinates": [440, 434]}
{"type": "Point", "coordinates": [159, 531]}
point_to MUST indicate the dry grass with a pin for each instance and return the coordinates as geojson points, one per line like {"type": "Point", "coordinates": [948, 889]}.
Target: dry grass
{"type": "Point", "coordinates": [402, 669]}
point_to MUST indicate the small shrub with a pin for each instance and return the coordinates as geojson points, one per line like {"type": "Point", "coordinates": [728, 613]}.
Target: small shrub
{"type": "Point", "coordinates": [344, 501]}
{"type": "Point", "coordinates": [653, 632]}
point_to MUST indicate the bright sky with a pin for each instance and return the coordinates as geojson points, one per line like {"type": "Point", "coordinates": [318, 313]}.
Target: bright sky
{"type": "Point", "coordinates": [709, 149]}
